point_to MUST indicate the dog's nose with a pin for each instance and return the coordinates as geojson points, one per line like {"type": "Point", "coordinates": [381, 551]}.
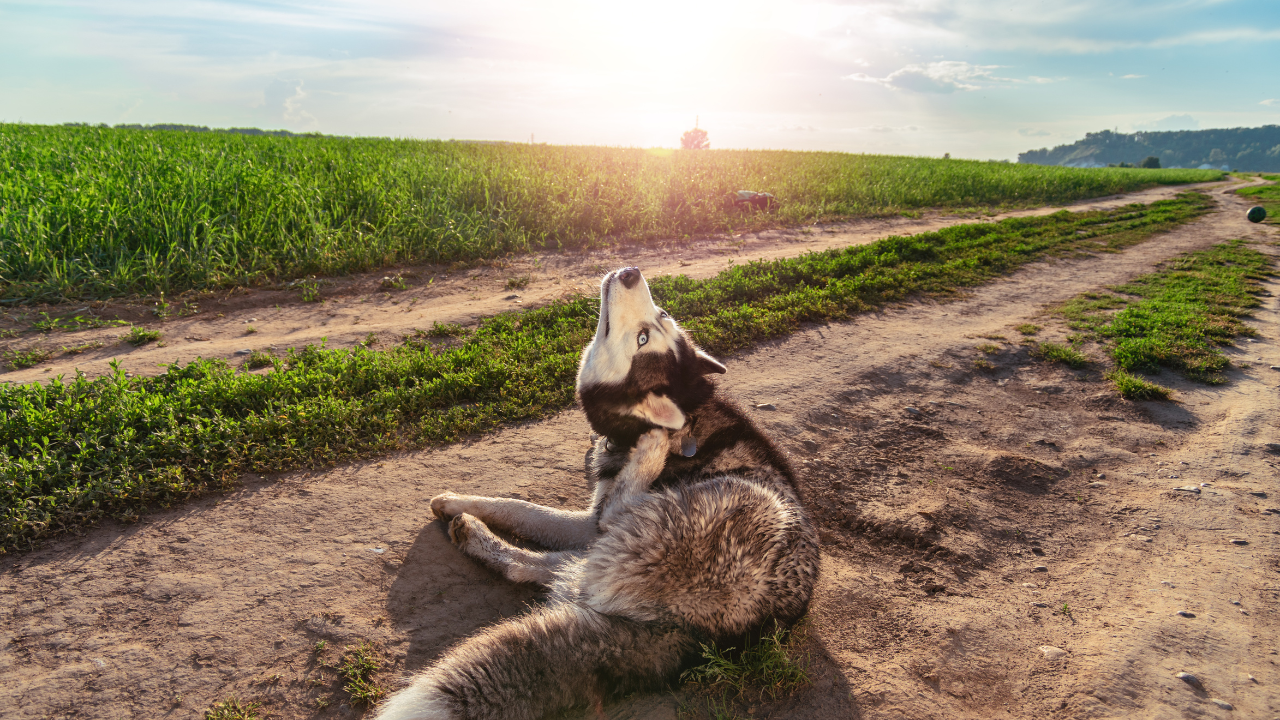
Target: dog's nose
{"type": "Point", "coordinates": [629, 277]}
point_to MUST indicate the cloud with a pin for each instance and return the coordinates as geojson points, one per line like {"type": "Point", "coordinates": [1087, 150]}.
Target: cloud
{"type": "Point", "coordinates": [1271, 102]}
{"type": "Point", "coordinates": [884, 129]}
{"type": "Point", "coordinates": [1132, 77]}
{"type": "Point", "coordinates": [285, 97]}
{"type": "Point", "coordinates": [945, 76]}
{"type": "Point", "coordinates": [1029, 132]}
{"type": "Point", "coordinates": [1172, 122]}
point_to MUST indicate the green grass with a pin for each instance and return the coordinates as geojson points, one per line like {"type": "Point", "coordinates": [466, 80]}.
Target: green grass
{"type": "Point", "coordinates": [21, 359]}
{"type": "Point", "coordinates": [1028, 329]}
{"type": "Point", "coordinates": [140, 335]}
{"type": "Point", "coordinates": [74, 450]}
{"type": "Point", "coordinates": [1178, 317]}
{"type": "Point", "coordinates": [1132, 387]}
{"type": "Point", "coordinates": [359, 663]}
{"type": "Point", "coordinates": [96, 213]}
{"type": "Point", "coordinates": [1054, 352]}
{"type": "Point", "coordinates": [1268, 196]}
{"type": "Point", "coordinates": [766, 667]}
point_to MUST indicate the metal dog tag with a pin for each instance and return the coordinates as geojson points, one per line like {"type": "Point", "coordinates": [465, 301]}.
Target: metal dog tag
{"type": "Point", "coordinates": [688, 445]}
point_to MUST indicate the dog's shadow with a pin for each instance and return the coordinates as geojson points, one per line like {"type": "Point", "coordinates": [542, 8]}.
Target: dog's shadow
{"type": "Point", "coordinates": [440, 596]}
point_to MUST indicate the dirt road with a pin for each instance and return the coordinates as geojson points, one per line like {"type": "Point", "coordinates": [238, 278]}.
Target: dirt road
{"type": "Point", "coordinates": [1014, 548]}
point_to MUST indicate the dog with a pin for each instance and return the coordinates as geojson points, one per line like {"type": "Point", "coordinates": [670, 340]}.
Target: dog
{"type": "Point", "coordinates": [696, 534]}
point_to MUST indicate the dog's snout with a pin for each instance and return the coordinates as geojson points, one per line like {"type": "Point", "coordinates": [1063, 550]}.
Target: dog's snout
{"type": "Point", "coordinates": [629, 277]}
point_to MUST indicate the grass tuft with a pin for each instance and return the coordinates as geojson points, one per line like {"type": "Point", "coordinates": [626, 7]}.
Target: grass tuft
{"type": "Point", "coordinates": [233, 709]}
{"type": "Point", "coordinates": [259, 359]}
{"type": "Point", "coordinates": [1132, 387]}
{"type": "Point", "coordinates": [140, 335]}
{"type": "Point", "coordinates": [767, 668]}
{"type": "Point", "coordinates": [519, 283]}
{"type": "Point", "coordinates": [1028, 329]}
{"type": "Point", "coordinates": [359, 663]}
{"type": "Point", "coordinates": [1054, 352]}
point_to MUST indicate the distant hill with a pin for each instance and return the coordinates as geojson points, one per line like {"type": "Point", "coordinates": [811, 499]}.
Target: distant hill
{"type": "Point", "coordinates": [201, 129]}
{"type": "Point", "coordinates": [1248, 149]}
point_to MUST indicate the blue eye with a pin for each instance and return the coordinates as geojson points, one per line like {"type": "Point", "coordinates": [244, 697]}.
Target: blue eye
{"type": "Point", "coordinates": [644, 337]}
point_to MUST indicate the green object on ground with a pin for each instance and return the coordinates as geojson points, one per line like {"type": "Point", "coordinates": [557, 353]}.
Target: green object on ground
{"type": "Point", "coordinates": [1257, 214]}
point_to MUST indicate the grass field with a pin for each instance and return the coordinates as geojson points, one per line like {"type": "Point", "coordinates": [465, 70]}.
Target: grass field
{"type": "Point", "coordinates": [90, 213]}
{"type": "Point", "coordinates": [74, 451]}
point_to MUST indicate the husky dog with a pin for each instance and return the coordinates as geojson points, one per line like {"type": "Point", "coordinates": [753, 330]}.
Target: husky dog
{"type": "Point", "coordinates": [696, 534]}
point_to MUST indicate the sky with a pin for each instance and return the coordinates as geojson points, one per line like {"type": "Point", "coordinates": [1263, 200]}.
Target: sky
{"type": "Point", "coordinates": [982, 79]}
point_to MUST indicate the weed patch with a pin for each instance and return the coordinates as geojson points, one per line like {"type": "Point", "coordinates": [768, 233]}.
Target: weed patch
{"type": "Point", "coordinates": [359, 663]}
{"type": "Point", "coordinates": [76, 450]}
{"type": "Point", "coordinates": [1132, 387]}
{"type": "Point", "coordinates": [140, 335]}
{"type": "Point", "coordinates": [1178, 317]}
{"type": "Point", "coordinates": [1027, 329]}
{"type": "Point", "coordinates": [767, 670]}
{"type": "Point", "coordinates": [233, 709]}
{"type": "Point", "coordinates": [1054, 352]}
{"type": "Point", "coordinates": [32, 356]}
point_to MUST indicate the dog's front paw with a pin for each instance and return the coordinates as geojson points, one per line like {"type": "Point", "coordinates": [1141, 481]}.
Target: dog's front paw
{"type": "Point", "coordinates": [440, 505]}
{"type": "Point", "coordinates": [459, 529]}
{"type": "Point", "coordinates": [651, 445]}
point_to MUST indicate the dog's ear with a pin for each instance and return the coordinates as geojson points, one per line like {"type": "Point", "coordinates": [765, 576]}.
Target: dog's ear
{"type": "Point", "coordinates": [707, 364]}
{"type": "Point", "coordinates": [660, 410]}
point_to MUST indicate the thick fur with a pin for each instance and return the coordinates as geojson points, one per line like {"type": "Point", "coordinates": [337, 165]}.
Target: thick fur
{"type": "Point", "coordinates": [675, 550]}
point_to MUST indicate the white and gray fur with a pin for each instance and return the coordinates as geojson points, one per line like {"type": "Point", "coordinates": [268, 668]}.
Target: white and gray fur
{"type": "Point", "coordinates": [677, 549]}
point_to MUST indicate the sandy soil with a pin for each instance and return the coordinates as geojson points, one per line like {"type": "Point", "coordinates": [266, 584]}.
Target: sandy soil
{"type": "Point", "coordinates": [230, 324]}
{"type": "Point", "coordinates": [1017, 508]}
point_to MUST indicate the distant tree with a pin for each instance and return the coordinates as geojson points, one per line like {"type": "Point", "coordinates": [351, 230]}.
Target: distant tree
{"type": "Point", "coordinates": [695, 139]}
{"type": "Point", "coordinates": [1151, 162]}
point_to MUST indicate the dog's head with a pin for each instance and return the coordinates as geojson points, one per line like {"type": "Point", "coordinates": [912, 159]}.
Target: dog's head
{"type": "Point", "coordinates": [641, 370]}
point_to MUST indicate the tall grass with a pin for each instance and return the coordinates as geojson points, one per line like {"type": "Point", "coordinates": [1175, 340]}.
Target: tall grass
{"type": "Point", "coordinates": [74, 451]}
{"type": "Point", "coordinates": [98, 212]}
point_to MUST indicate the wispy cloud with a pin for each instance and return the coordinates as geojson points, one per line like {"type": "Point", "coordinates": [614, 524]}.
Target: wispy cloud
{"type": "Point", "coordinates": [944, 76]}
{"type": "Point", "coordinates": [1031, 132]}
{"type": "Point", "coordinates": [1132, 77]}
{"type": "Point", "coordinates": [1271, 102]}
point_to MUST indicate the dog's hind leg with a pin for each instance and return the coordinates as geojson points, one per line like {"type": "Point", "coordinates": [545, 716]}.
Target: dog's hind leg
{"type": "Point", "coordinates": [558, 657]}
{"type": "Point", "coordinates": [547, 526]}
{"type": "Point", "coordinates": [477, 541]}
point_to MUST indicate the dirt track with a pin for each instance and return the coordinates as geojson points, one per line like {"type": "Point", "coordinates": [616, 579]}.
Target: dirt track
{"type": "Point", "coordinates": [933, 523]}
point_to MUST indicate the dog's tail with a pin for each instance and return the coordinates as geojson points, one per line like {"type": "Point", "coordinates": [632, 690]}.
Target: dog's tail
{"type": "Point", "coordinates": [556, 658]}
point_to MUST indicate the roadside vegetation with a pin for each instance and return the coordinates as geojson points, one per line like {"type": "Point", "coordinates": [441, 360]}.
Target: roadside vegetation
{"type": "Point", "coordinates": [1268, 196]}
{"type": "Point", "coordinates": [75, 450]}
{"type": "Point", "coordinates": [93, 213]}
{"type": "Point", "coordinates": [1179, 318]}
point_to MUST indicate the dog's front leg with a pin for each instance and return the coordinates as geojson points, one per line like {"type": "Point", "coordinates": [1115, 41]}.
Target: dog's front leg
{"type": "Point", "coordinates": [644, 464]}
{"type": "Point", "coordinates": [550, 527]}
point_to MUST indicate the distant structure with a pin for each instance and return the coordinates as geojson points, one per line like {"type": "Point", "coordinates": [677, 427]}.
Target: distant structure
{"type": "Point", "coordinates": [695, 139]}
{"type": "Point", "coordinates": [1245, 149]}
